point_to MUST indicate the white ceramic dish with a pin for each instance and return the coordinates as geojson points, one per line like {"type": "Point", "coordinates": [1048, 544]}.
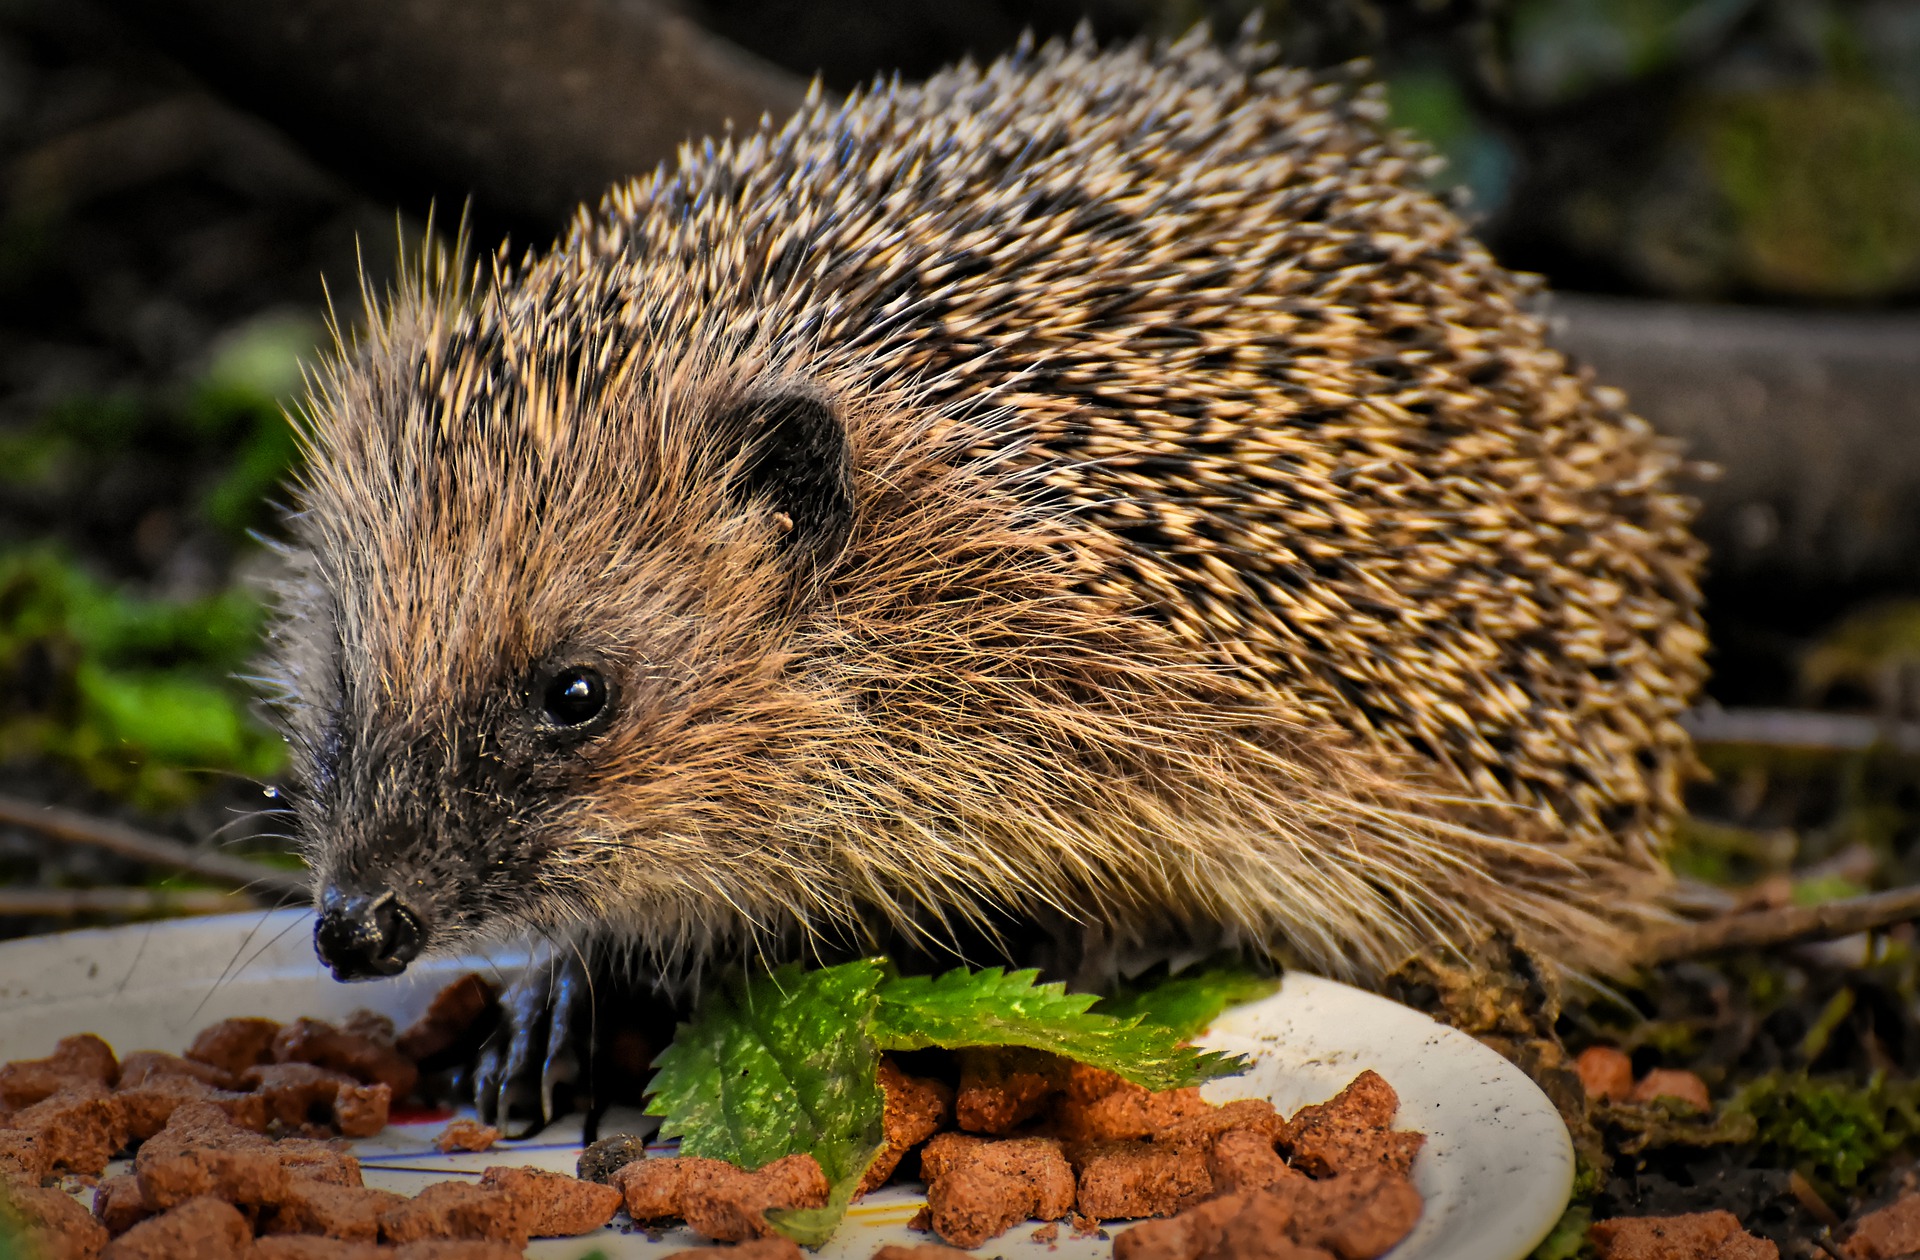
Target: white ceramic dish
{"type": "Point", "coordinates": [1495, 1172]}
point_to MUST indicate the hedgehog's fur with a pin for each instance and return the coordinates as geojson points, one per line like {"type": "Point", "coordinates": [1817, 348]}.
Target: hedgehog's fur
{"type": "Point", "coordinates": [1226, 547]}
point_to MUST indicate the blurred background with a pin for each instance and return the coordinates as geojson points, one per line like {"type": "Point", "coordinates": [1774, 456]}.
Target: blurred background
{"type": "Point", "coordinates": [1724, 193]}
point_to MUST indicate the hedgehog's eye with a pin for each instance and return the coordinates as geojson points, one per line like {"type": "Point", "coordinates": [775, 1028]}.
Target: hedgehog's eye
{"type": "Point", "coordinates": [575, 696]}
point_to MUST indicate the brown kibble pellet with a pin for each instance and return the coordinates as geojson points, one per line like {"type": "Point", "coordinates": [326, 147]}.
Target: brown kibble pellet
{"type": "Point", "coordinates": [1261, 1227]}
{"type": "Point", "coordinates": [1188, 1236]}
{"type": "Point", "coordinates": [979, 1189]}
{"type": "Point", "coordinates": [117, 1203]}
{"type": "Point", "coordinates": [50, 1224]}
{"type": "Point", "coordinates": [456, 1249]}
{"type": "Point", "coordinates": [361, 1110]}
{"type": "Point", "coordinates": [1204, 1128]}
{"type": "Point", "coordinates": [146, 1065]}
{"type": "Point", "coordinates": [1605, 1073]}
{"type": "Point", "coordinates": [372, 1025]}
{"type": "Point", "coordinates": [452, 1015]}
{"type": "Point", "coordinates": [714, 1197]}
{"type": "Point", "coordinates": [561, 1206]}
{"type": "Point", "coordinates": [1002, 1086]}
{"type": "Point", "coordinates": [1890, 1232]}
{"type": "Point", "coordinates": [366, 1059]}
{"type": "Point", "coordinates": [1673, 1083]}
{"type": "Point", "coordinates": [84, 1059]}
{"type": "Point", "coordinates": [1100, 1106]}
{"type": "Point", "coordinates": [1244, 1159]}
{"type": "Point", "coordinates": [733, 1208]}
{"type": "Point", "coordinates": [1125, 1180]}
{"type": "Point", "coordinates": [78, 1130]}
{"type": "Point", "coordinates": [319, 1161]}
{"type": "Point", "coordinates": [1351, 1132]}
{"type": "Point", "coordinates": [253, 1177]}
{"type": "Point", "coordinates": [458, 1209]}
{"type": "Point", "coordinates": [1695, 1236]}
{"type": "Point", "coordinates": [1323, 1135]}
{"type": "Point", "coordinates": [466, 1135]}
{"type": "Point", "coordinates": [234, 1045]}
{"type": "Point", "coordinates": [651, 1188]}
{"type": "Point", "coordinates": [204, 1229]}
{"type": "Point", "coordinates": [916, 1109]}
{"type": "Point", "coordinates": [151, 1103]}
{"type": "Point", "coordinates": [198, 1124]}
{"type": "Point", "coordinates": [1376, 1212]}
{"type": "Point", "coordinates": [313, 1247]}
{"type": "Point", "coordinates": [946, 1150]}
{"type": "Point", "coordinates": [351, 1213]}
{"type": "Point", "coordinates": [298, 1093]}
{"type": "Point", "coordinates": [1355, 1217]}
{"type": "Point", "coordinates": [23, 1158]}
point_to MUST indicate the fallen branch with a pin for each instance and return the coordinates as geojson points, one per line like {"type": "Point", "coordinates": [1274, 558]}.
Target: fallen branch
{"type": "Point", "coordinates": [67, 903]}
{"type": "Point", "coordinates": [528, 106]}
{"type": "Point", "coordinates": [1813, 418]}
{"type": "Point", "coordinates": [1803, 729]}
{"type": "Point", "coordinates": [1785, 925]}
{"type": "Point", "coordinates": [74, 827]}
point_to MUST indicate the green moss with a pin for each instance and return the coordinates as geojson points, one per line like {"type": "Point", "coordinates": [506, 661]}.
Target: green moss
{"type": "Point", "coordinates": [1568, 1237]}
{"type": "Point", "coordinates": [1867, 649]}
{"type": "Point", "coordinates": [136, 695]}
{"type": "Point", "coordinates": [243, 399]}
{"type": "Point", "coordinates": [231, 421]}
{"type": "Point", "coordinates": [1823, 183]}
{"type": "Point", "coordinates": [1831, 1131]}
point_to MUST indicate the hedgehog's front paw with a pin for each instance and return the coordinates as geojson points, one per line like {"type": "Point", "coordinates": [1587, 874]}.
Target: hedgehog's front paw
{"type": "Point", "coordinates": [546, 1014]}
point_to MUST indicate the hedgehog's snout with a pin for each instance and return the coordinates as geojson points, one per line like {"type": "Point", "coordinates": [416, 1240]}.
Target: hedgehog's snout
{"type": "Point", "coordinates": [365, 936]}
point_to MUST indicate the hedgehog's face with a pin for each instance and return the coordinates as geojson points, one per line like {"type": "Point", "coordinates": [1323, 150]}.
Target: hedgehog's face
{"type": "Point", "coordinates": [540, 689]}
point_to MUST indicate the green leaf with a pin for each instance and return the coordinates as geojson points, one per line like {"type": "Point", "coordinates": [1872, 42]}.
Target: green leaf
{"type": "Point", "coordinates": [1185, 1004]}
{"type": "Point", "coordinates": [777, 1065]}
{"type": "Point", "coordinates": [136, 694]}
{"type": "Point", "coordinates": [995, 1008]}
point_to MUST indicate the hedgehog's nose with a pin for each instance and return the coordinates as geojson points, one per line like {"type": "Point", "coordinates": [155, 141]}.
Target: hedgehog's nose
{"type": "Point", "coordinates": [362, 937]}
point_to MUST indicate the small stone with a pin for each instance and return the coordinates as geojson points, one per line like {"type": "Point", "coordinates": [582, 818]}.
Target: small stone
{"type": "Point", "coordinates": [1605, 1073]}
{"type": "Point", "coordinates": [608, 1156]}
{"type": "Point", "coordinates": [1673, 1083]}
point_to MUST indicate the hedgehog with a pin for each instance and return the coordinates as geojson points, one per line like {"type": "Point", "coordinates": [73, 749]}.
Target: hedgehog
{"type": "Point", "coordinates": [1103, 496]}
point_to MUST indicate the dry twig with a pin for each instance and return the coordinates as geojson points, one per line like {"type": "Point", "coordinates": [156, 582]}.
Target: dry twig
{"type": "Point", "coordinates": [66, 903]}
{"type": "Point", "coordinates": [1802, 729]}
{"type": "Point", "coordinates": [74, 827]}
{"type": "Point", "coordinates": [1785, 925]}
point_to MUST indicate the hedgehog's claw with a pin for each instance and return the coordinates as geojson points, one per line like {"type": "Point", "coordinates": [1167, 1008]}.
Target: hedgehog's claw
{"type": "Point", "coordinates": [532, 1051]}
{"type": "Point", "coordinates": [572, 996]}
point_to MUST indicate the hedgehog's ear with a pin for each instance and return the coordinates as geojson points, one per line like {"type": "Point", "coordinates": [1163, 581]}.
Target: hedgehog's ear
{"type": "Point", "coordinates": [797, 462]}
